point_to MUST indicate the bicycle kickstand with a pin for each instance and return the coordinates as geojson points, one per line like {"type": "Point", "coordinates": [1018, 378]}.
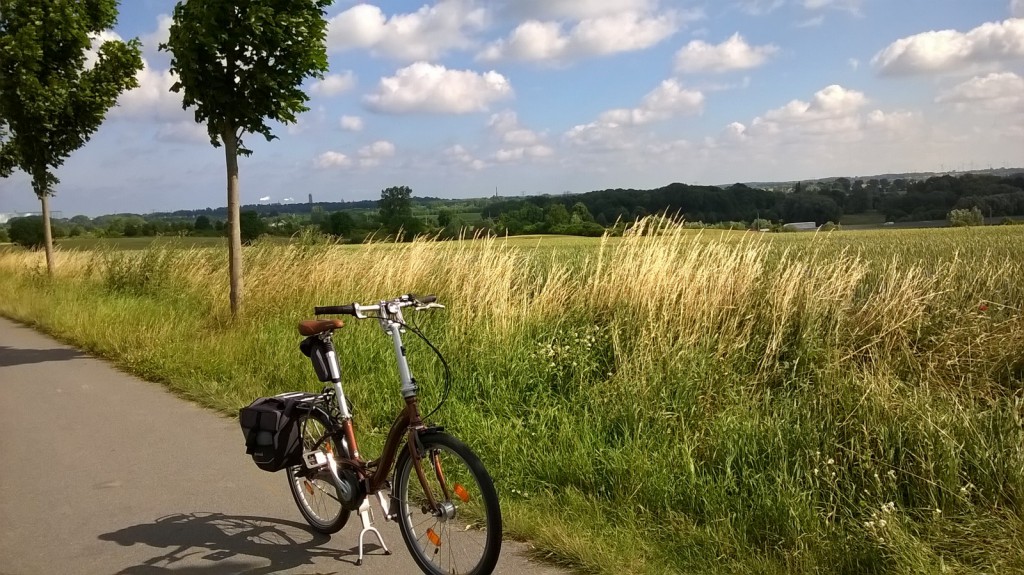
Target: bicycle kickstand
{"type": "Point", "coordinates": [365, 514]}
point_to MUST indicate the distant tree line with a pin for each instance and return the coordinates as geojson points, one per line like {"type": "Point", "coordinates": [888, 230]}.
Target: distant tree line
{"type": "Point", "coordinates": [399, 213]}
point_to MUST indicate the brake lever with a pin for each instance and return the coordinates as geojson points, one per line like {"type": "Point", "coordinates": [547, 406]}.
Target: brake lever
{"type": "Point", "coordinates": [431, 305]}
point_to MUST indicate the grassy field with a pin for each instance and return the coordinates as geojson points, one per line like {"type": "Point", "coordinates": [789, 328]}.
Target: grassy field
{"type": "Point", "coordinates": [669, 402]}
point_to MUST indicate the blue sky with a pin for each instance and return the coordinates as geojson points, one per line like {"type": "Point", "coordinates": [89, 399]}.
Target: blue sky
{"type": "Point", "coordinates": [459, 98]}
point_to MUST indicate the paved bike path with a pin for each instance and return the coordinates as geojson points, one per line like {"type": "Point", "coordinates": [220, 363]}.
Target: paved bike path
{"type": "Point", "coordinates": [103, 473]}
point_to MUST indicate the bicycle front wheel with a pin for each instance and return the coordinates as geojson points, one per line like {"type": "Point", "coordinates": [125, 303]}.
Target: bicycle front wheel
{"type": "Point", "coordinates": [461, 534]}
{"type": "Point", "coordinates": [314, 491]}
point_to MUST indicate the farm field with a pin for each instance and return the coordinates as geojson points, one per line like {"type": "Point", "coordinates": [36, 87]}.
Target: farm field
{"type": "Point", "coordinates": [673, 401]}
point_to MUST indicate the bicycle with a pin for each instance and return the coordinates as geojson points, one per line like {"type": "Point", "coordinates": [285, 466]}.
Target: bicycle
{"type": "Point", "coordinates": [441, 496]}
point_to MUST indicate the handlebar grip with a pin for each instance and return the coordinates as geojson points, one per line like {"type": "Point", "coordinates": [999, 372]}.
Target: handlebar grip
{"type": "Point", "coordinates": [349, 309]}
{"type": "Point", "coordinates": [427, 299]}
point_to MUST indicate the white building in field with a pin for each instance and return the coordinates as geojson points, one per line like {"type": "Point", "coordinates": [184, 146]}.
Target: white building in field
{"type": "Point", "coordinates": [801, 226]}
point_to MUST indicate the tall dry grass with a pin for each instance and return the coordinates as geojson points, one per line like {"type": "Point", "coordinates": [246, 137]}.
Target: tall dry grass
{"type": "Point", "coordinates": [664, 402]}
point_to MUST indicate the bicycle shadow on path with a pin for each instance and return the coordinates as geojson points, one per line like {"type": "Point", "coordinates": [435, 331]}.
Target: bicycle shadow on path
{"type": "Point", "coordinates": [232, 544]}
{"type": "Point", "coordinates": [11, 356]}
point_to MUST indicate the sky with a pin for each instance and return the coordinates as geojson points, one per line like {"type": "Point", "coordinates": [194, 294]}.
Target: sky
{"type": "Point", "coordinates": [471, 98]}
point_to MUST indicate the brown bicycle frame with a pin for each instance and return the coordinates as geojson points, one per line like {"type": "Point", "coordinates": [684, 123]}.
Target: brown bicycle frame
{"type": "Point", "coordinates": [408, 424]}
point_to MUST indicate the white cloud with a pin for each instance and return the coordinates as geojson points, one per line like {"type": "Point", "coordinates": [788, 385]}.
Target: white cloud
{"type": "Point", "coordinates": [537, 41]}
{"type": "Point", "coordinates": [372, 154]}
{"type": "Point", "coordinates": [854, 63]}
{"type": "Point", "coordinates": [732, 54]}
{"type": "Point", "coordinates": [152, 99]}
{"type": "Point", "coordinates": [828, 103]}
{"type": "Point", "coordinates": [426, 34]}
{"type": "Point", "coordinates": [334, 84]}
{"type": "Point", "coordinates": [1000, 92]}
{"type": "Point", "coordinates": [458, 155]}
{"type": "Point", "coordinates": [1017, 8]}
{"type": "Point", "coordinates": [505, 125]}
{"type": "Point", "coordinates": [948, 50]}
{"type": "Point", "coordinates": [612, 131]}
{"type": "Point", "coordinates": [265, 199]}
{"type": "Point", "coordinates": [351, 123]}
{"type": "Point", "coordinates": [423, 87]}
{"type": "Point", "coordinates": [151, 41]}
{"type": "Point", "coordinates": [667, 100]}
{"type": "Point", "coordinates": [523, 152]}
{"type": "Point", "coordinates": [332, 159]}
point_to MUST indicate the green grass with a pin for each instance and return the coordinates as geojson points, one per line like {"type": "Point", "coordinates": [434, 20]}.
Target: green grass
{"type": "Point", "coordinates": [676, 402]}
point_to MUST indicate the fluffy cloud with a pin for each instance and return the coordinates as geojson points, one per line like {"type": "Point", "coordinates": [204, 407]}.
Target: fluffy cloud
{"type": "Point", "coordinates": [426, 34]}
{"type": "Point", "coordinates": [506, 155]}
{"type": "Point", "coordinates": [332, 159]}
{"type": "Point", "coordinates": [534, 40]}
{"type": "Point", "coordinates": [1000, 92]}
{"type": "Point", "coordinates": [611, 132]}
{"type": "Point", "coordinates": [372, 155]}
{"type": "Point", "coordinates": [1017, 8]}
{"type": "Point", "coordinates": [947, 50]}
{"type": "Point", "coordinates": [152, 99]}
{"type": "Point", "coordinates": [423, 87]}
{"type": "Point", "coordinates": [667, 100]}
{"type": "Point", "coordinates": [351, 123]}
{"type": "Point", "coordinates": [829, 103]}
{"type": "Point", "coordinates": [732, 54]}
{"type": "Point", "coordinates": [506, 126]}
{"type": "Point", "coordinates": [460, 156]}
{"type": "Point", "coordinates": [334, 84]}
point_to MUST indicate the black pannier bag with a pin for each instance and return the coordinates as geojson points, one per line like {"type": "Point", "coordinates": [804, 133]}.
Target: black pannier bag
{"type": "Point", "coordinates": [271, 430]}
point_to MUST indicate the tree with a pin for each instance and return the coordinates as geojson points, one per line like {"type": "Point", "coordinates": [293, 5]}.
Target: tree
{"type": "Point", "coordinates": [395, 207]}
{"type": "Point", "coordinates": [241, 64]}
{"type": "Point", "coordinates": [27, 232]}
{"type": "Point", "coordinates": [444, 217]}
{"type": "Point", "coordinates": [251, 226]}
{"type": "Point", "coordinates": [338, 224]}
{"type": "Point", "coordinates": [965, 218]}
{"type": "Point", "coordinates": [203, 223]}
{"type": "Point", "coordinates": [52, 98]}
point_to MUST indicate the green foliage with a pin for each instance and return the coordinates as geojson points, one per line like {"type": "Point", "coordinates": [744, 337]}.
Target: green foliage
{"type": "Point", "coordinates": [27, 231]}
{"type": "Point", "coordinates": [395, 207]}
{"type": "Point", "coordinates": [339, 224]}
{"type": "Point", "coordinates": [810, 207]}
{"type": "Point", "coordinates": [51, 100]}
{"type": "Point", "coordinates": [964, 218]}
{"type": "Point", "coordinates": [444, 217]}
{"type": "Point", "coordinates": [252, 226]}
{"type": "Point", "coordinates": [203, 224]}
{"type": "Point", "coordinates": [4, 238]}
{"type": "Point", "coordinates": [243, 63]}
{"type": "Point", "coordinates": [761, 224]}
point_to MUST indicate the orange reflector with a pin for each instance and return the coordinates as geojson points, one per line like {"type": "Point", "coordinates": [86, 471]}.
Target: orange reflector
{"type": "Point", "coordinates": [309, 487]}
{"type": "Point", "coordinates": [462, 493]}
{"type": "Point", "coordinates": [434, 537]}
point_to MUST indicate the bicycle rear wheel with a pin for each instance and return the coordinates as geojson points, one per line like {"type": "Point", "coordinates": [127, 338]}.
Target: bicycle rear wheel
{"type": "Point", "coordinates": [462, 536]}
{"type": "Point", "coordinates": [315, 493]}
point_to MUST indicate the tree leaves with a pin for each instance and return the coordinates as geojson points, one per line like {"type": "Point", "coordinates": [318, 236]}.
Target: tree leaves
{"type": "Point", "coordinates": [50, 102]}
{"type": "Point", "coordinates": [242, 63]}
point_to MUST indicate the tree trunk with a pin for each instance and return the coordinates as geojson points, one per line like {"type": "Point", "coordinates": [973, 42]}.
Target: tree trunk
{"type": "Point", "coordinates": [235, 233]}
{"type": "Point", "coordinates": [47, 236]}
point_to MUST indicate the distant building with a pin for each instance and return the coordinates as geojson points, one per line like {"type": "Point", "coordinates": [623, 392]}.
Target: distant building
{"type": "Point", "coordinates": [801, 226]}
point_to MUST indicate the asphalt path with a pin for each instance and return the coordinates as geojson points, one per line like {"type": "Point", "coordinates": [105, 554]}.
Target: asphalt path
{"type": "Point", "coordinates": [103, 473]}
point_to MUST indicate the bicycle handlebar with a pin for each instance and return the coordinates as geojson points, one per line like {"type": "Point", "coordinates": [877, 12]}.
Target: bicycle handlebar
{"type": "Point", "coordinates": [356, 309]}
